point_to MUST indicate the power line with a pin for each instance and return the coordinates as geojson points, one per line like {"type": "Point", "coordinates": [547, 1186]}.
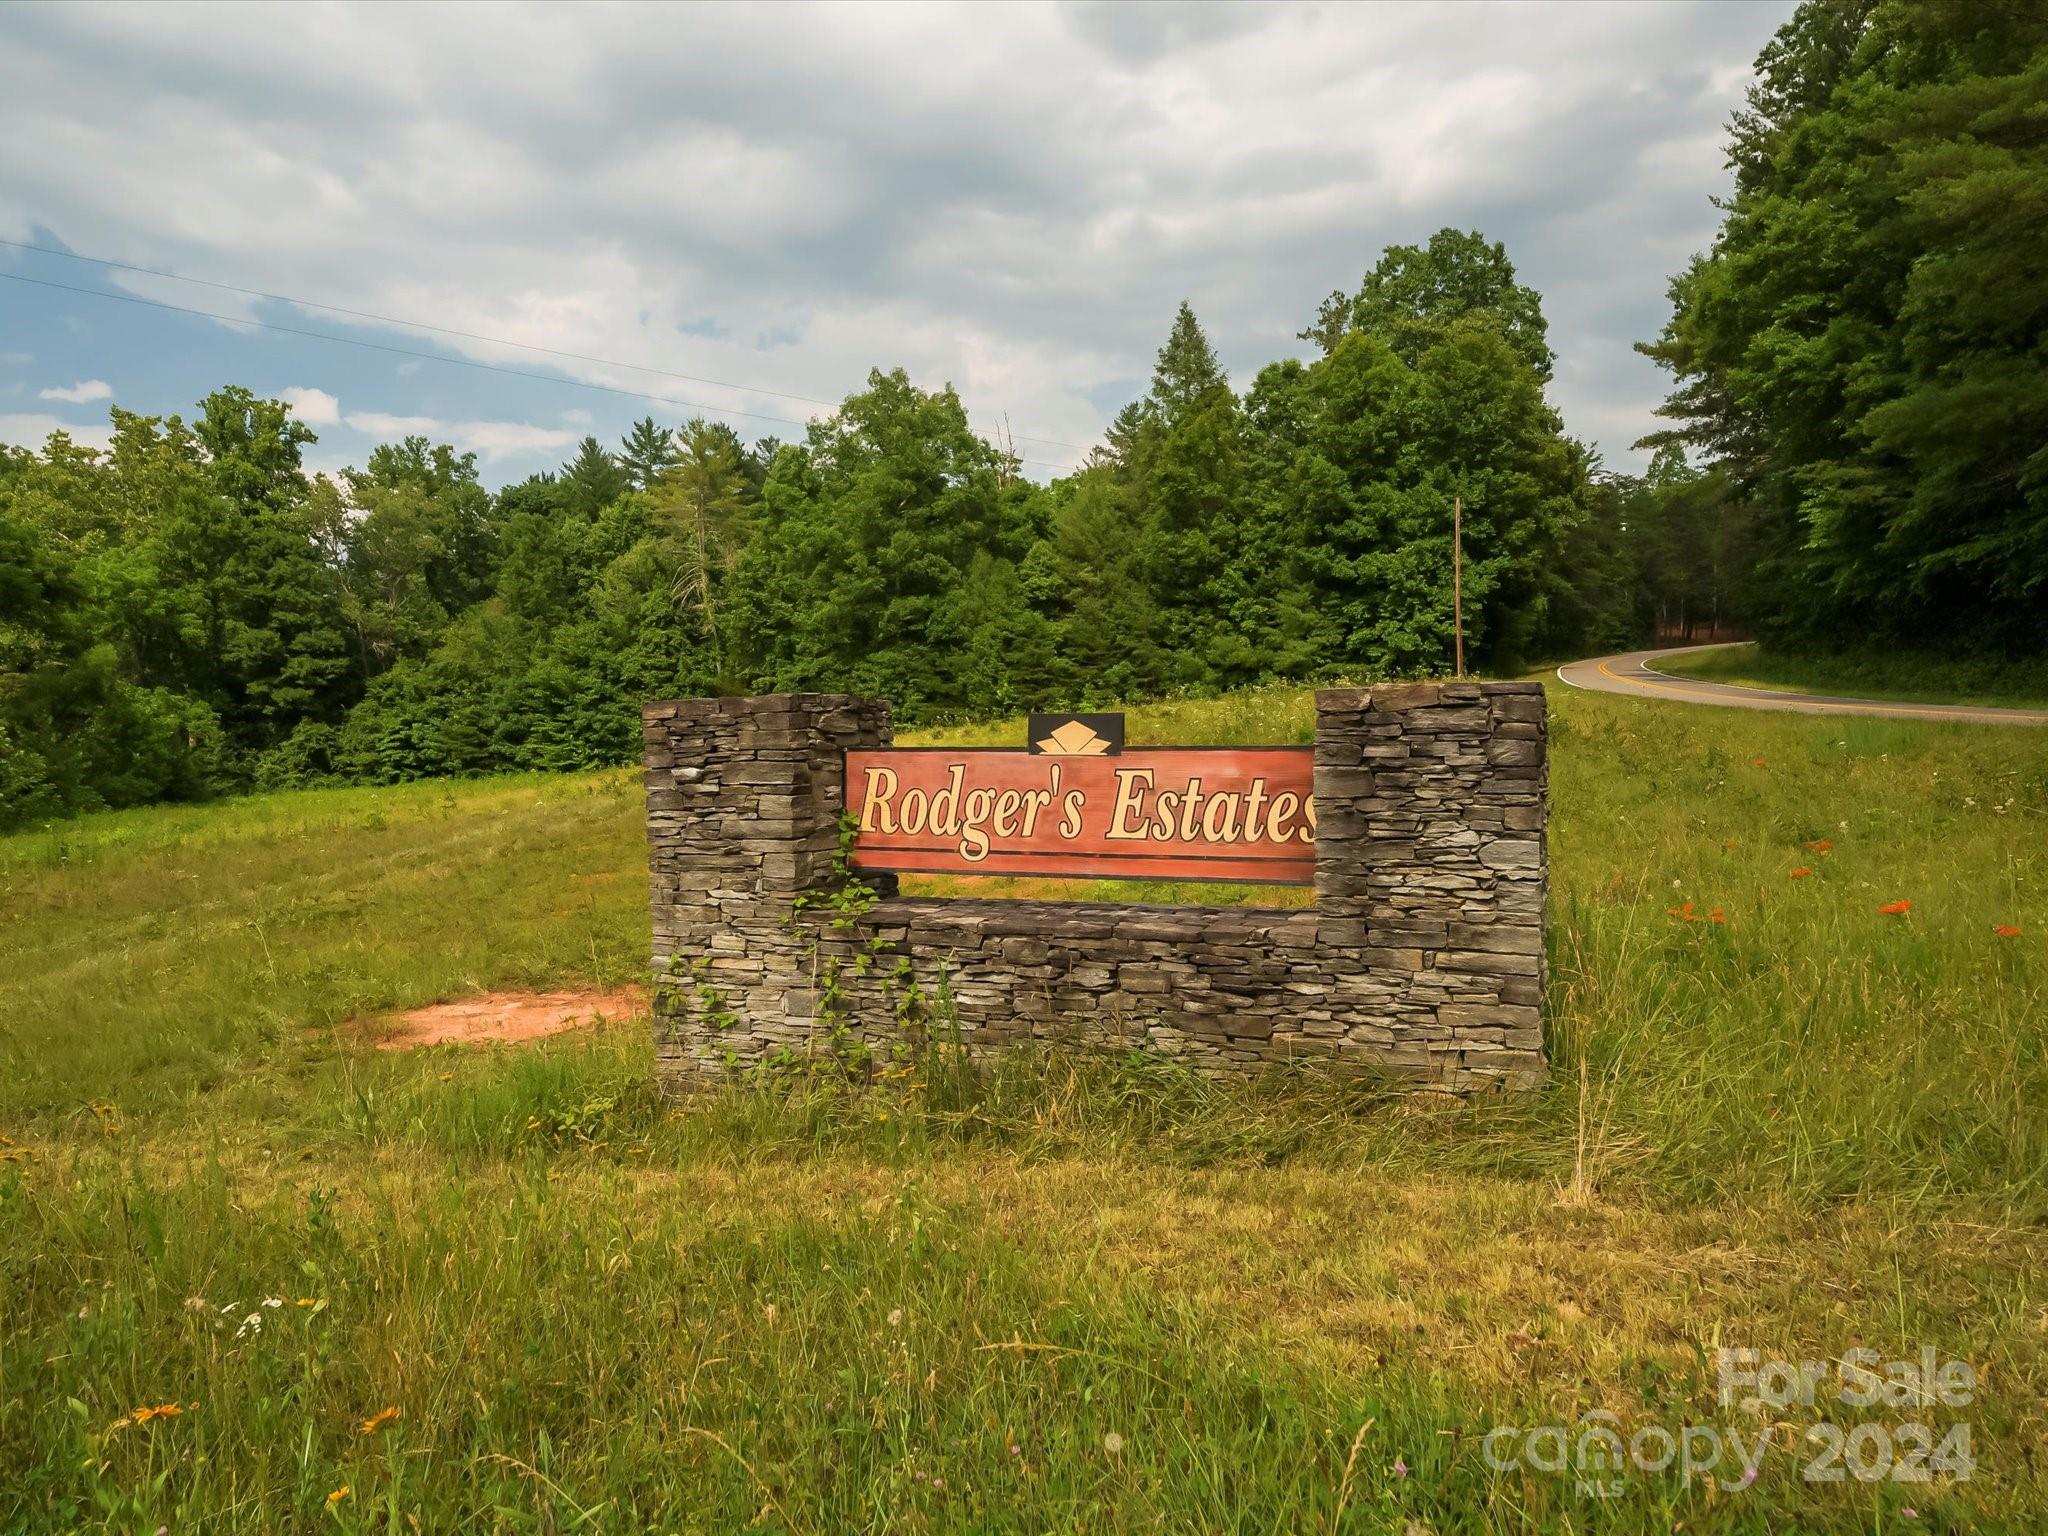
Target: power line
{"type": "Point", "coordinates": [442, 330]}
{"type": "Point", "coordinates": [436, 357]}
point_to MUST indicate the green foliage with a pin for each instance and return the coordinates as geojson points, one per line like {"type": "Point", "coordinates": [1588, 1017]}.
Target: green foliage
{"type": "Point", "coordinates": [645, 452]}
{"type": "Point", "coordinates": [594, 478]}
{"type": "Point", "coordinates": [1416, 291]}
{"type": "Point", "coordinates": [1863, 348]}
{"type": "Point", "coordinates": [1349, 558]}
{"type": "Point", "coordinates": [856, 578]}
{"type": "Point", "coordinates": [399, 621]}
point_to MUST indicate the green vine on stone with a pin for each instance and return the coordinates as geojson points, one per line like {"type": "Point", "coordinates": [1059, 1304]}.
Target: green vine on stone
{"type": "Point", "coordinates": [841, 904]}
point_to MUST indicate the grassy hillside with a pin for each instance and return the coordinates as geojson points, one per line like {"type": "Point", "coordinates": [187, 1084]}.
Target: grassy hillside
{"type": "Point", "coordinates": [1036, 1295]}
{"type": "Point", "coordinates": [1902, 676]}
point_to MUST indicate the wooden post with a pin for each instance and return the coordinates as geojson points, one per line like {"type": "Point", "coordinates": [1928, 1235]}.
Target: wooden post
{"type": "Point", "coordinates": [1458, 578]}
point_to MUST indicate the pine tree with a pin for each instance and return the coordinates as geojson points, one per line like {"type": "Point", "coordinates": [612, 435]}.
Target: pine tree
{"type": "Point", "coordinates": [594, 478]}
{"type": "Point", "coordinates": [1331, 324]}
{"type": "Point", "coordinates": [700, 499]}
{"type": "Point", "coordinates": [645, 452]}
{"type": "Point", "coordinates": [1187, 373]}
{"type": "Point", "coordinates": [1190, 494]}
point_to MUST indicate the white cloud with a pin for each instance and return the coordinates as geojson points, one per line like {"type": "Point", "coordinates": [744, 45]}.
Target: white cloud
{"type": "Point", "coordinates": [32, 431]}
{"type": "Point", "coordinates": [82, 393]}
{"type": "Point", "coordinates": [1012, 199]}
{"type": "Point", "coordinates": [491, 439]}
{"type": "Point", "coordinates": [315, 407]}
{"type": "Point", "coordinates": [507, 439]}
{"type": "Point", "coordinates": [381, 424]}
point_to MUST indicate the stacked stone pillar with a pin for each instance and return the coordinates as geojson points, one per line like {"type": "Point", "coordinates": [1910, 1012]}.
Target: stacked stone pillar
{"type": "Point", "coordinates": [1430, 870]}
{"type": "Point", "coordinates": [744, 797]}
{"type": "Point", "coordinates": [1422, 958]}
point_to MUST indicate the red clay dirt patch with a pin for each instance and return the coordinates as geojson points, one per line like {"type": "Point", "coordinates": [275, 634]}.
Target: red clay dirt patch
{"type": "Point", "coordinates": [507, 1017]}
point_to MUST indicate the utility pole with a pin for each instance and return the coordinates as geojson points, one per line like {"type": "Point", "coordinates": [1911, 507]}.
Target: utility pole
{"type": "Point", "coordinates": [1458, 577]}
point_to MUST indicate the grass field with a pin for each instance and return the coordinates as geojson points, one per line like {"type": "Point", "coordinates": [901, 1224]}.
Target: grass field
{"type": "Point", "coordinates": [514, 1290]}
{"type": "Point", "coordinates": [1904, 677]}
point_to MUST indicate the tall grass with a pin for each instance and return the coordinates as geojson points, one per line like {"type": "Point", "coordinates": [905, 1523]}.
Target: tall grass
{"type": "Point", "coordinates": [1029, 1293]}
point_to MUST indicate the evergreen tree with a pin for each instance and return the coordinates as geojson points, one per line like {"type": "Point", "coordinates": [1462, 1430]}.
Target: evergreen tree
{"type": "Point", "coordinates": [1331, 324]}
{"type": "Point", "coordinates": [1189, 494]}
{"type": "Point", "coordinates": [700, 499]}
{"type": "Point", "coordinates": [594, 478]}
{"type": "Point", "coordinates": [1086, 576]}
{"type": "Point", "coordinates": [1187, 374]}
{"type": "Point", "coordinates": [645, 452]}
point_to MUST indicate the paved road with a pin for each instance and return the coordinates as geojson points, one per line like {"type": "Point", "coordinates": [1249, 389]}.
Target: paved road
{"type": "Point", "coordinates": [1636, 674]}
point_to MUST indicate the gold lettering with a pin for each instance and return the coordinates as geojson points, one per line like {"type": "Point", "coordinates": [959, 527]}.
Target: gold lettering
{"type": "Point", "coordinates": [1308, 833]}
{"type": "Point", "coordinates": [1006, 810]}
{"type": "Point", "coordinates": [1190, 809]}
{"type": "Point", "coordinates": [874, 809]}
{"type": "Point", "coordinates": [1070, 815]}
{"type": "Point", "coordinates": [946, 822]}
{"type": "Point", "coordinates": [1220, 829]}
{"type": "Point", "coordinates": [1131, 784]}
{"type": "Point", "coordinates": [1254, 803]}
{"type": "Point", "coordinates": [1277, 829]}
{"type": "Point", "coordinates": [914, 808]}
{"type": "Point", "coordinates": [1162, 827]}
{"type": "Point", "coordinates": [1038, 800]}
{"type": "Point", "coordinates": [973, 836]}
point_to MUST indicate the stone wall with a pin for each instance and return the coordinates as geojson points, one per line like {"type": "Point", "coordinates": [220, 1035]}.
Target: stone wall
{"type": "Point", "coordinates": [1423, 955]}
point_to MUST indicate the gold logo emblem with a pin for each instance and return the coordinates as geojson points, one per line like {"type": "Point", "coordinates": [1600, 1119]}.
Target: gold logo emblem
{"type": "Point", "coordinates": [1072, 740]}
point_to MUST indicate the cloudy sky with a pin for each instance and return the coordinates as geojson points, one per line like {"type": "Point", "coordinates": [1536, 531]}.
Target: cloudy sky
{"type": "Point", "coordinates": [742, 210]}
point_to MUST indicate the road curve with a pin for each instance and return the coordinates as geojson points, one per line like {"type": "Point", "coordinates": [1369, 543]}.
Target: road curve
{"type": "Point", "coordinates": [1635, 673]}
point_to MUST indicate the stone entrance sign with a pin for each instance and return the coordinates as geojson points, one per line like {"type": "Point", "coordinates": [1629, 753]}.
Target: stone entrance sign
{"type": "Point", "coordinates": [1422, 957]}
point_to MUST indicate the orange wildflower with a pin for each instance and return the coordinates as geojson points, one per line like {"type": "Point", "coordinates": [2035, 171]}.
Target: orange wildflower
{"type": "Point", "coordinates": [1896, 908]}
{"type": "Point", "coordinates": [1718, 916]}
{"type": "Point", "coordinates": [1760, 763]}
{"type": "Point", "coordinates": [160, 1411]}
{"type": "Point", "coordinates": [379, 1419]}
{"type": "Point", "coordinates": [2006, 931]}
{"type": "Point", "coordinates": [338, 1495]}
{"type": "Point", "coordinates": [1684, 914]}
{"type": "Point", "coordinates": [1800, 874]}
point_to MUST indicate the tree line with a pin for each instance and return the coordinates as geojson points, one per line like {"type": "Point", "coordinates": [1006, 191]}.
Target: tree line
{"type": "Point", "coordinates": [1863, 352]}
{"type": "Point", "coordinates": [188, 611]}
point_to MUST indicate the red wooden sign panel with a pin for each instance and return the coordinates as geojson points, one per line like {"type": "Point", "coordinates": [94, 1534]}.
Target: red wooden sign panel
{"type": "Point", "coordinates": [1160, 813]}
